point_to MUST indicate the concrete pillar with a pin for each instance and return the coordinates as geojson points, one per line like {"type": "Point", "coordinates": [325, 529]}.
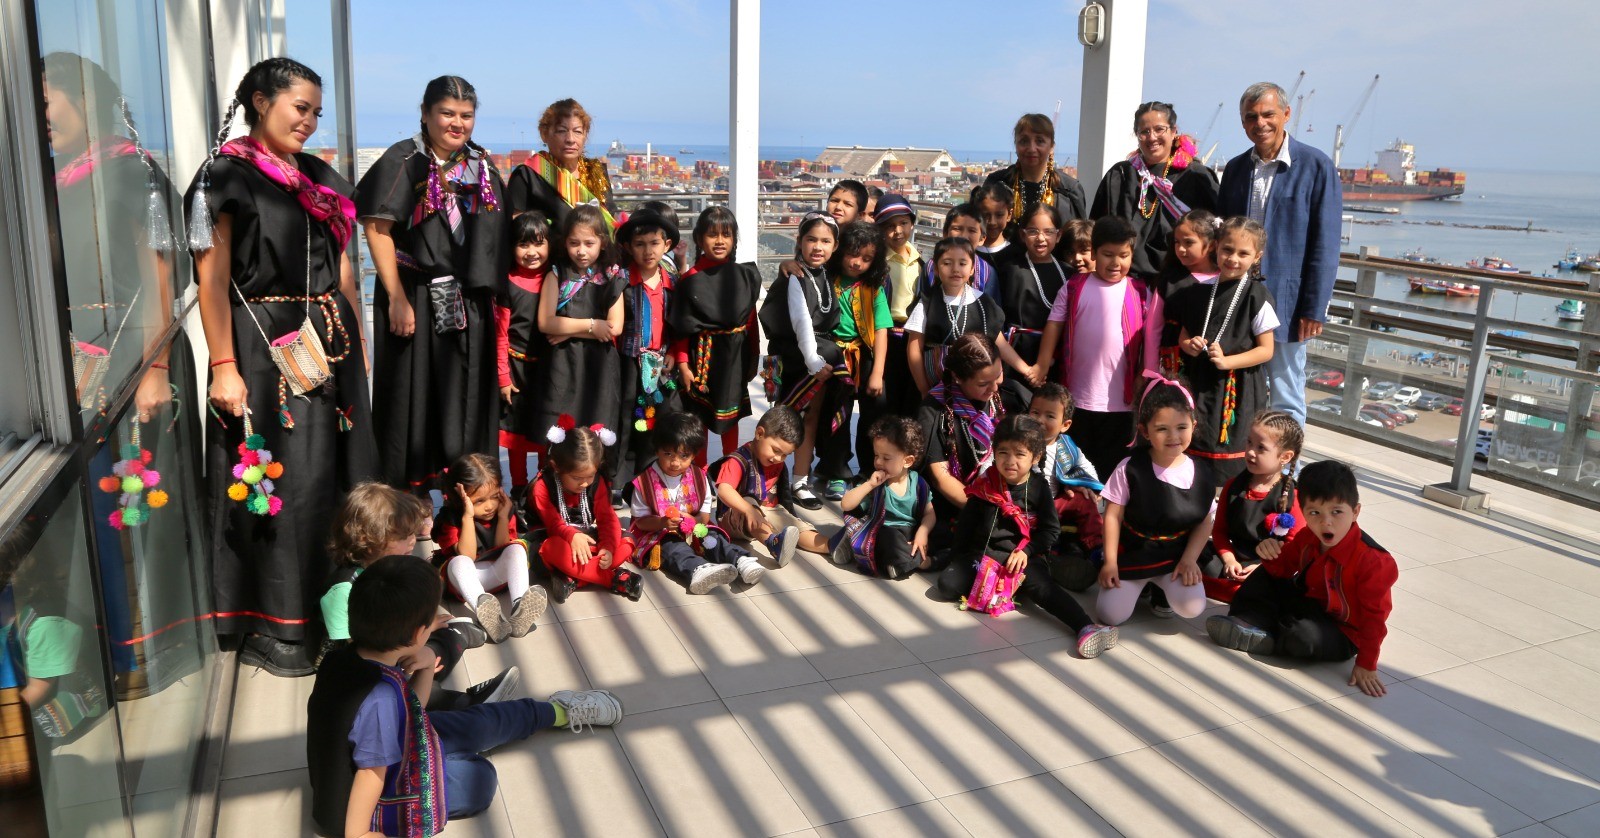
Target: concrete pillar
{"type": "Point", "coordinates": [1113, 87]}
{"type": "Point", "coordinates": [744, 124]}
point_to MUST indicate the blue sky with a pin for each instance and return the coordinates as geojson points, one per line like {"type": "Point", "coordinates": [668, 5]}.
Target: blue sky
{"type": "Point", "coordinates": [1472, 83]}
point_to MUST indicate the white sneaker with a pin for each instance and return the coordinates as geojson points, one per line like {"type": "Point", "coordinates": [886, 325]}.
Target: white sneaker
{"type": "Point", "coordinates": [588, 708]}
{"type": "Point", "coordinates": [751, 570]}
{"type": "Point", "coordinates": [711, 575]}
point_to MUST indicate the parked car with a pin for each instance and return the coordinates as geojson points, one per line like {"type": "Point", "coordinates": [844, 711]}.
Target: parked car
{"type": "Point", "coordinates": [1451, 407]}
{"type": "Point", "coordinates": [1378, 414]}
{"type": "Point", "coordinates": [1331, 406]}
{"type": "Point", "coordinates": [1485, 444]}
{"type": "Point", "coordinates": [1429, 401]}
{"type": "Point", "coordinates": [1368, 420]}
{"type": "Point", "coordinates": [1400, 411]}
{"type": "Point", "coordinates": [1381, 390]}
{"type": "Point", "coordinates": [1393, 411]}
{"type": "Point", "coordinates": [1485, 413]}
{"type": "Point", "coordinates": [1406, 395]}
{"type": "Point", "coordinates": [1328, 380]}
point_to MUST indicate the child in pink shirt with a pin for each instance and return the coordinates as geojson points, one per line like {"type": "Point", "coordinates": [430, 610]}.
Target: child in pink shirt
{"type": "Point", "coordinates": [1113, 325]}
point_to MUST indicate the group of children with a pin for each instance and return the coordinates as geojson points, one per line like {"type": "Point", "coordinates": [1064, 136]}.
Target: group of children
{"type": "Point", "coordinates": [1023, 430]}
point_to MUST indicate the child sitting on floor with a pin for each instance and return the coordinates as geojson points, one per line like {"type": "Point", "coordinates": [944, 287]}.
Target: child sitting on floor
{"type": "Point", "coordinates": [380, 763]}
{"type": "Point", "coordinates": [374, 521]}
{"type": "Point", "coordinates": [1010, 518]}
{"type": "Point", "coordinates": [1326, 597]}
{"type": "Point", "coordinates": [1077, 491]}
{"type": "Point", "coordinates": [888, 518]}
{"type": "Point", "coordinates": [1258, 512]}
{"type": "Point", "coordinates": [672, 500]}
{"type": "Point", "coordinates": [480, 551]}
{"type": "Point", "coordinates": [583, 536]}
{"type": "Point", "coordinates": [756, 499]}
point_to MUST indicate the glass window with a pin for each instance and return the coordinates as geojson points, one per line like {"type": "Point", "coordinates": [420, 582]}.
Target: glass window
{"type": "Point", "coordinates": [117, 210]}
{"type": "Point", "coordinates": [52, 675]}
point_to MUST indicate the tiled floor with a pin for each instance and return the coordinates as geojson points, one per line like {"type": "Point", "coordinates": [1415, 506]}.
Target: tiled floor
{"type": "Point", "coordinates": [823, 703]}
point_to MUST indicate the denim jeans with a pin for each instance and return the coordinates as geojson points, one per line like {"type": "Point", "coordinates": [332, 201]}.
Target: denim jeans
{"type": "Point", "coordinates": [1286, 375]}
{"type": "Point", "coordinates": [469, 777]}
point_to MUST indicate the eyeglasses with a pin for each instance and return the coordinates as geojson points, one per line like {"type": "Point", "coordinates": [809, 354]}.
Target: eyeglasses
{"type": "Point", "coordinates": [1158, 131]}
{"type": "Point", "coordinates": [1036, 233]}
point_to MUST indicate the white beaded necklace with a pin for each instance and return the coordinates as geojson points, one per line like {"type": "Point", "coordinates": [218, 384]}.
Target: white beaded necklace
{"type": "Point", "coordinates": [1227, 313]}
{"type": "Point", "coordinates": [824, 301]}
{"type": "Point", "coordinates": [957, 315]}
{"type": "Point", "coordinates": [585, 520]}
{"type": "Point", "coordinates": [1039, 286]}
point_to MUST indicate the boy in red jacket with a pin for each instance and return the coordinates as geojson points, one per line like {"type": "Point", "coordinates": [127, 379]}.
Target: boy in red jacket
{"type": "Point", "coordinates": [1326, 596]}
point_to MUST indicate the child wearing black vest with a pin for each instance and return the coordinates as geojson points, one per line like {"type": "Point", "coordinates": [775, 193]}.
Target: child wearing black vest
{"type": "Point", "coordinates": [379, 762]}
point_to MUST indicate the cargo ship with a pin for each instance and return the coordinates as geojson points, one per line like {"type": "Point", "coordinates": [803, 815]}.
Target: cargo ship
{"type": "Point", "coordinates": [1395, 178]}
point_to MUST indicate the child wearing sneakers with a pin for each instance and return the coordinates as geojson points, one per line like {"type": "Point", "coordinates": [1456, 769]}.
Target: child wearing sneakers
{"type": "Point", "coordinates": [1077, 491]}
{"type": "Point", "coordinates": [888, 518]}
{"type": "Point", "coordinates": [480, 553]}
{"type": "Point", "coordinates": [672, 501]}
{"type": "Point", "coordinates": [1010, 518]}
{"type": "Point", "coordinates": [1326, 597]}
{"type": "Point", "coordinates": [380, 763]}
{"type": "Point", "coordinates": [377, 520]}
{"type": "Point", "coordinates": [755, 497]}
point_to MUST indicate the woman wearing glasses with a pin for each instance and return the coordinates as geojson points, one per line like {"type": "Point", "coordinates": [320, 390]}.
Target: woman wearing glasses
{"type": "Point", "coordinates": [1155, 186]}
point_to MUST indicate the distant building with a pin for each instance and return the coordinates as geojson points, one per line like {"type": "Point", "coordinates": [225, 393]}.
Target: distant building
{"type": "Point", "coordinates": [866, 161]}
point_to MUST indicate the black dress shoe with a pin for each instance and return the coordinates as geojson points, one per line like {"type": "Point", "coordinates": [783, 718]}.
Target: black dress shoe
{"type": "Point", "coordinates": [561, 586]}
{"type": "Point", "coordinates": [281, 658]}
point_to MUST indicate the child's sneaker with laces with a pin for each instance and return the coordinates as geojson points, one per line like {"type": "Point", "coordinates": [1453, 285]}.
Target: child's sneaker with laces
{"type": "Point", "coordinates": [834, 490]}
{"type": "Point", "coordinates": [497, 688]}
{"type": "Point", "coordinates": [588, 708]}
{"type": "Point", "coordinates": [751, 570]}
{"type": "Point", "coordinates": [709, 576]}
{"type": "Point", "coordinates": [472, 634]}
{"type": "Point", "coordinates": [1096, 639]}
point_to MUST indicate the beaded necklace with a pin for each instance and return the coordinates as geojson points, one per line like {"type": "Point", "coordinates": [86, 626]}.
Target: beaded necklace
{"type": "Point", "coordinates": [585, 520]}
{"type": "Point", "coordinates": [825, 302]}
{"type": "Point", "coordinates": [957, 316]}
{"type": "Point", "coordinates": [1047, 195]}
{"type": "Point", "coordinates": [1227, 313]}
{"type": "Point", "coordinates": [1039, 286]}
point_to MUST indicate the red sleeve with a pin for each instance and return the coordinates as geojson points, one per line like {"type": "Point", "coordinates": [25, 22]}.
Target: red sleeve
{"type": "Point", "coordinates": [1369, 603]}
{"type": "Point", "coordinates": [732, 474]}
{"type": "Point", "coordinates": [1219, 523]}
{"type": "Point", "coordinates": [1296, 554]}
{"type": "Point", "coordinates": [1299, 518]}
{"type": "Point", "coordinates": [608, 527]}
{"type": "Point", "coordinates": [546, 506]}
{"type": "Point", "coordinates": [502, 343]}
{"type": "Point", "coordinates": [680, 350]}
{"type": "Point", "coordinates": [446, 537]}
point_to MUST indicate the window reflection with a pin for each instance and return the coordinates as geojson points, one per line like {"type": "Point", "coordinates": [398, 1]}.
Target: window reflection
{"type": "Point", "coordinates": [115, 206]}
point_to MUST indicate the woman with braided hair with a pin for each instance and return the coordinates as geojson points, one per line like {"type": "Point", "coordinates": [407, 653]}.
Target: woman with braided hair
{"type": "Point", "coordinates": [434, 213]}
{"type": "Point", "coordinates": [1035, 179]}
{"type": "Point", "coordinates": [269, 226]}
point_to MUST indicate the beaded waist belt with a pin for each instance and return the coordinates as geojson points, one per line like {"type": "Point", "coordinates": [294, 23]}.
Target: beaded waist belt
{"type": "Point", "coordinates": [1160, 539]}
{"type": "Point", "coordinates": [520, 356]}
{"type": "Point", "coordinates": [406, 260]}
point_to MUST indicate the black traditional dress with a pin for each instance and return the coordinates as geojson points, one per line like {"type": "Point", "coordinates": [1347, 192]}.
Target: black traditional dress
{"type": "Point", "coordinates": [1067, 198]}
{"type": "Point", "coordinates": [1025, 292]}
{"type": "Point", "coordinates": [944, 320]}
{"type": "Point", "coordinates": [582, 377]}
{"type": "Point", "coordinates": [541, 186]}
{"type": "Point", "coordinates": [1224, 401]}
{"type": "Point", "coordinates": [1158, 517]}
{"type": "Point", "coordinates": [713, 316]}
{"type": "Point", "coordinates": [268, 570]}
{"type": "Point", "coordinates": [525, 351]}
{"type": "Point", "coordinates": [796, 385]}
{"type": "Point", "coordinates": [437, 394]}
{"type": "Point", "coordinates": [1124, 194]}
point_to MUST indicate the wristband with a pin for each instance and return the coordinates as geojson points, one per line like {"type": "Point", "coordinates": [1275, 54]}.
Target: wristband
{"type": "Point", "coordinates": [215, 364]}
{"type": "Point", "coordinates": [159, 366]}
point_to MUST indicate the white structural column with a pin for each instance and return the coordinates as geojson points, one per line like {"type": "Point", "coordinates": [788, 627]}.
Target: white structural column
{"type": "Point", "coordinates": [744, 121]}
{"type": "Point", "coordinates": [1113, 87]}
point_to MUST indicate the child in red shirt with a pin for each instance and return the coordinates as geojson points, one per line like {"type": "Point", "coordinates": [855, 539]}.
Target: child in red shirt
{"type": "Point", "coordinates": [1326, 597]}
{"type": "Point", "coordinates": [583, 535]}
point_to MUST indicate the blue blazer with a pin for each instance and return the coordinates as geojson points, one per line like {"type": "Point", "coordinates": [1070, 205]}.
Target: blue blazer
{"type": "Point", "coordinates": [1303, 219]}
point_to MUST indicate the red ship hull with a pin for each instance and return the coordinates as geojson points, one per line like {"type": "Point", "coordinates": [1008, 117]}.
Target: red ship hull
{"type": "Point", "coordinates": [1362, 192]}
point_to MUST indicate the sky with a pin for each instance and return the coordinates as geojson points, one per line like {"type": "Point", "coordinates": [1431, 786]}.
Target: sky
{"type": "Point", "coordinates": [1472, 83]}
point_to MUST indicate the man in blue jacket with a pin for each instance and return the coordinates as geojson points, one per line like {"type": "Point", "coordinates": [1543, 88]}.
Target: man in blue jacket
{"type": "Point", "coordinates": [1293, 190]}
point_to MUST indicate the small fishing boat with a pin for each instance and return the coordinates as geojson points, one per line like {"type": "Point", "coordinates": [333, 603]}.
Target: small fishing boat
{"type": "Point", "coordinates": [1590, 263]}
{"type": "Point", "coordinates": [1442, 287]}
{"type": "Point", "coordinates": [1570, 261]}
{"type": "Point", "coordinates": [1570, 310]}
{"type": "Point", "coordinates": [1493, 263]}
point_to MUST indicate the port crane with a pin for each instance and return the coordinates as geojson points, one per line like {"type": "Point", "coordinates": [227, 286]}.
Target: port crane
{"type": "Point", "coordinates": [1297, 81]}
{"type": "Point", "coordinates": [1350, 121]}
{"type": "Point", "coordinates": [1300, 106]}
